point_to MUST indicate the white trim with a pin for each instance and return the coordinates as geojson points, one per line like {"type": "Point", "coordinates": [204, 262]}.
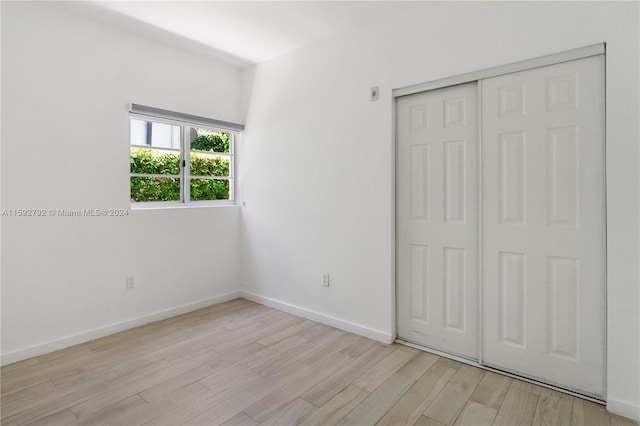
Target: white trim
{"type": "Point", "coordinates": [65, 342]}
{"type": "Point", "coordinates": [172, 205]}
{"type": "Point", "coordinates": [371, 333]}
{"type": "Point", "coordinates": [583, 52]}
{"type": "Point", "coordinates": [155, 175]}
{"type": "Point", "coordinates": [185, 164]}
{"type": "Point", "coordinates": [623, 408]}
{"type": "Point", "coordinates": [155, 148]}
{"type": "Point", "coordinates": [480, 222]}
{"type": "Point", "coordinates": [232, 167]}
{"type": "Point", "coordinates": [394, 223]}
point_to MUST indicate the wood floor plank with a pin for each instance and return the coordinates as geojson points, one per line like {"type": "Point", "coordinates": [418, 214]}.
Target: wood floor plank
{"type": "Point", "coordinates": [244, 338]}
{"type": "Point", "coordinates": [419, 397]}
{"type": "Point", "coordinates": [418, 365]}
{"type": "Point", "coordinates": [133, 384]}
{"type": "Point", "coordinates": [242, 320]}
{"type": "Point", "coordinates": [327, 389]}
{"type": "Point", "coordinates": [195, 360]}
{"type": "Point", "coordinates": [18, 385]}
{"type": "Point", "coordinates": [554, 409]}
{"type": "Point", "coordinates": [274, 357]}
{"type": "Point", "coordinates": [240, 419]}
{"type": "Point", "coordinates": [615, 420]}
{"type": "Point", "coordinates": [21, 400]}
{"type": "Point", "coordinates": [78, 375]}
{"type": "Point", "coordinates": [474, 414]}
{"type": "Point", "coordinates": [518, 407]}
{"type": "Point", "coordinates": [319, 344]}
{"type": "Point", "coordinates": [331, 413]}
{"type": "Point", "coordinates": [182, 413]}
{"type": "Point", "coordinates": [588, 413]}
{"type": "Point", "coordinates": [61, 418]}
{"type": "Point", "coordinates": [286, 333]}
{"type": "Point", "coordinates": [216, 414]}
{"type": "Point", "coordinates": [450, 402]}
{"type": "Point", "coordinates": [492, 390]}
{"type": "Point", "coordinates": [315, 332]}
{"type": "Point", "coordinates": [275, 317]}
{"type": "Point", "coordinates": [375, 376]}
{"type": "Point", "coordinates": [265, 407]}
{"type": "Point", "coordinates": [107, 414]}
{"type": "Point", "coordinates": [50, 363]}
{"type": "Point", "coordinates": [230, 378]}
{"type": "Point", "coordinates": [19, 367]}
{"type": "Point", "coordinates": [253, 317]}
{"type": "Point", "coordinates": [33, 376]}
{"type": "Point", "coordinates": [358, 347]}
{"type": "Point", "coordinates": [291, 414]}
{"type": "Point", "coordinates": [375, 406]}
{"type": "Point", "coordinates": [314, 358]}
{"type": "Point", "coordinates": [139, 413]}
{"type": "Point", "coordinates": [241, 363]}
{"type": "Point", "coordinates": [228, 396]}
{"type": "Point", "coordinates": [426, 421]}
{"type": "Point", "coordinates": [66, 396]}
{"type": "Point", "coordinates": [526, 387]}
{"type": "Point", "coordinates": [31, 371]}
{"type": "Point", "coordinates": [159, 390]}
{"type": "Point", "coordinates": [243, 352]}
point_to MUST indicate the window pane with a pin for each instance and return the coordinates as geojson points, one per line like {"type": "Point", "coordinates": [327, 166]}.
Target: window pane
{"type": "Point", "coordinates": [209, 189]}
{"type": "Point", "coordinates": [165, 136]}
{"type": "Point", "coordinates": [209, 140]}
{"type": "Point", "coordinates": [138, 132]}
{"type": "Point", "coordinates": [158, 135]}
{"type": "Point", "coordinates": [208, 164]}
{"type": "Point", "coordinates": [154, 161]}
{"type": "Point", "coordinates": [155, 189]}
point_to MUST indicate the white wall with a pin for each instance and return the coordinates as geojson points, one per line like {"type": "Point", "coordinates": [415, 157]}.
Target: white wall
{"type": "Point", "coordinates": [65, 85]}
{"type": "Point", "coordinates": [315, 168]}
{"type": "Point", "coordinates": [316, 164]}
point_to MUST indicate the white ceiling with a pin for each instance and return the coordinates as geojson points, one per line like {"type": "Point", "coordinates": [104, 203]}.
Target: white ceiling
{"type": "Point", "coordinates": [241, 32]}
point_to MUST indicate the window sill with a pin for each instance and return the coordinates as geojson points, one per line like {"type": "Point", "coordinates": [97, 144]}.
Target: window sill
{"type": "Point", "coordinates": [179, 206]}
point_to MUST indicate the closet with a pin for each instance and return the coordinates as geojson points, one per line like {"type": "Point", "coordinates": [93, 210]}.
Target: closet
{"type": "Point", "coordinates": [500, 219]}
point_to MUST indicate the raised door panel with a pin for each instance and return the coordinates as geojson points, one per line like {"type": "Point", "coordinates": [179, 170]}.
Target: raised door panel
{"type": "Point", "coordinates": [437, 219]}
{"type": "Point", "coordinates": [543, 224]}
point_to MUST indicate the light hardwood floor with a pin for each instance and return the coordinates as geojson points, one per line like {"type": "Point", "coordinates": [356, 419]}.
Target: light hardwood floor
{"type": "Point", "coordinates": [241, 363]}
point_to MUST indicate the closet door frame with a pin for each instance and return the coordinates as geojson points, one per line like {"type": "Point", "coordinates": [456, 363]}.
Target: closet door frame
{"type": "Point", "coordinates": [477, 76]}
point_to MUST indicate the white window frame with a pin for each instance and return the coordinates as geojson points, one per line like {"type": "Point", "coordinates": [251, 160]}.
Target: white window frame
{"type": "Point", "coordinates": [186, 122]}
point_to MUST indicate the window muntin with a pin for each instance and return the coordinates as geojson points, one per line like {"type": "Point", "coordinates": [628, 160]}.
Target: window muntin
{"type": "Point", "coordinates": [180, 163]}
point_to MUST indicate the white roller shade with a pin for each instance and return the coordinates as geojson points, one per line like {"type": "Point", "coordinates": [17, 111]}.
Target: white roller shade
{"type": "Point", "coordinates": [179, 118]}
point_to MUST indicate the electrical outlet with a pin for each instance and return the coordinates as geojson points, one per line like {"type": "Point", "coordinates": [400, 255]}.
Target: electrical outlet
{"type": "Point", "coordinates": [325, 280]}
{"type": "Point", "coordinates": [130, 283]}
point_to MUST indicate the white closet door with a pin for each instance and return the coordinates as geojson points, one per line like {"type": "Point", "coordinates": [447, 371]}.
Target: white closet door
{"type": "Point", "coordinates": [543, 224]}
{"type": "Point", "coordinates": [437, 219]}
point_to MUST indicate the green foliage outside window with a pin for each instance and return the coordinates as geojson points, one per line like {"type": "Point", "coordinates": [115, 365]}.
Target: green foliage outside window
{"type": "Point", "coordinates": [147, 161]}
{"type": "Point", "coordinates": [211, 141]}
{"type": "Point", "coordinates": [154, 189]}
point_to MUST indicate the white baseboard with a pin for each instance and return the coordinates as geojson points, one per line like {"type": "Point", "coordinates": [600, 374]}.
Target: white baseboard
{"type": "Point", "coordinates": [65, 342]}
{"type": "Point", "coordinates": [371, 333]}
{"type": "Point", "coordinates": [623, 408]}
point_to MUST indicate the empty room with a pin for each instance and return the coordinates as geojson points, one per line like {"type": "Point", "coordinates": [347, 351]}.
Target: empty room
{"type": "Point", "coordinates": [320, 213]}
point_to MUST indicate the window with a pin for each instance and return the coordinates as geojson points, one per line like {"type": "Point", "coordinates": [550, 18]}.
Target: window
{"type": "Point", "coordinates": [177, 158]}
